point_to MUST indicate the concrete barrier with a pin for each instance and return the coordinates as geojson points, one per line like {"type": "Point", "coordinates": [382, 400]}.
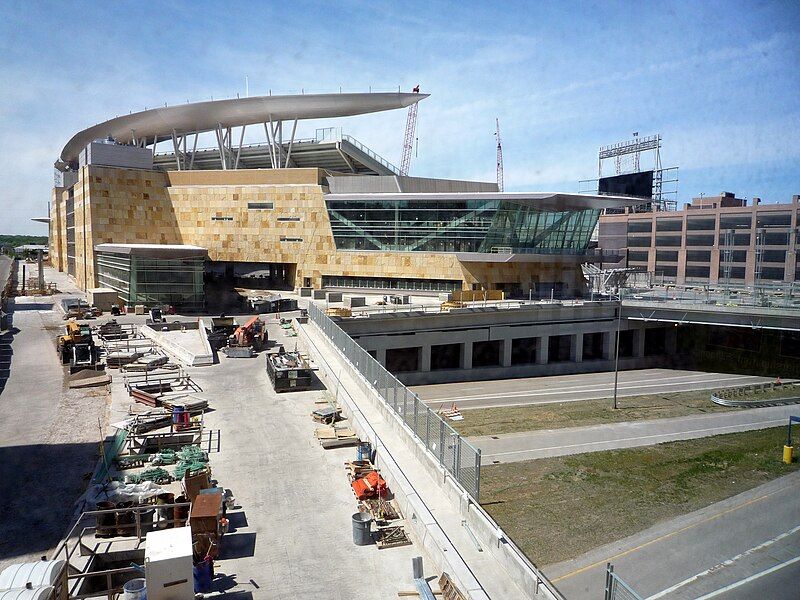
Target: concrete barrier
{"type": "Point", "coordinates": [193, 351]}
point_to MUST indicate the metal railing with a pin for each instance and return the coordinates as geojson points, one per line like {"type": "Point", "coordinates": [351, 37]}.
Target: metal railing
{"type": "Point", "coordinates": [616, 588]}
{"type": "Point", "coordinates": [457, 456]}
{"type": "Point", "coordinates": [370, 153]}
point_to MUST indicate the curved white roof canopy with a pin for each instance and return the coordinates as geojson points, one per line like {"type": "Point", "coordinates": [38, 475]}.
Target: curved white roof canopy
{"type": "Point", "coordinates": [159, 123]}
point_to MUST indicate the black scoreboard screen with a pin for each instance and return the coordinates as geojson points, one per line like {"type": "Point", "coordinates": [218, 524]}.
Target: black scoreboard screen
{"type": "Point", "coordinates": [631, 184]}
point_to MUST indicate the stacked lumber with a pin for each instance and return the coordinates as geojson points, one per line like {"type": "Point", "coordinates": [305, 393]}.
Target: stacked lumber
{"type": "Point", "coordinates": [336, 437]}
{"type": "Point", "coordinates": [144, 397]}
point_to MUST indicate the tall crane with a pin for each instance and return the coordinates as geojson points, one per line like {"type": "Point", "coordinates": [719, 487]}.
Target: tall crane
{"type": "Point", "coordinates": [499, 157]}
{"type": "Point", "coordinates": [408, 141]}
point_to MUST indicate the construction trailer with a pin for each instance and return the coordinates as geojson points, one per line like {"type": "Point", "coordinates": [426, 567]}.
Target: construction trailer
{"type": "Point", "coordinates": [289, 372]}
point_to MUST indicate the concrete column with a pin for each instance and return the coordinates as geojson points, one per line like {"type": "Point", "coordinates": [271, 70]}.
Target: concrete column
{"type": "Point", "coordinates": [380, 356]}
{"type": "Point", "coordinates": [608, 344]}
{"type": "Point", "coordinates": [466, 355]}
{"type": "Point", "coordinates": [505, 353]}
{"type": "Point", "coordinates": [576, 348]}
{"type": "Point", "coordinates": [638, 342]}
{"type": "Point", "coordinates": [542, 350]}
{"type": "Point", "coordinates": [425, 358]}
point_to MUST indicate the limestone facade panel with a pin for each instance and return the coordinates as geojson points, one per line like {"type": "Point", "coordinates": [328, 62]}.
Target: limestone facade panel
{"type": "Point", "coordinates": [259, 215]}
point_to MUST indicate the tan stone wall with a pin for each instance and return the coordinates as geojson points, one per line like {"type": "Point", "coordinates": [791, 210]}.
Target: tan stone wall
{"type": "Point", "coordinates": [210, 209]}
{"type": "Point", "coordinates": [57, 230]}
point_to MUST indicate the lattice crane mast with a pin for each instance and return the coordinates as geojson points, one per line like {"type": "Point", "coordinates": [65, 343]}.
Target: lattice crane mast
{"type": "Point", "coordinates": [499, 157]}
{"type": "Point", "coordinates": [408, 141]}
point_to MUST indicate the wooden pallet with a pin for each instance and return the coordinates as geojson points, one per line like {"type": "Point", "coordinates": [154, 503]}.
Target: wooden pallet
{"type": "Point", "coordinates": [449, 589]}
{"type": "Point", "coordinates": [391, 536]}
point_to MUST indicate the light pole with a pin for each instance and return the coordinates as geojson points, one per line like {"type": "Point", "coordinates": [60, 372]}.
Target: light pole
{"type": "Point", "coordinates": [616, 350]}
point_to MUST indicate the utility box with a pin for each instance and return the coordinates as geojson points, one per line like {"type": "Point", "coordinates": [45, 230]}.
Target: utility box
{"type": "Point", "coordinates": [103, 298]}
{"type": "Point", "coordinates": [168, 564]}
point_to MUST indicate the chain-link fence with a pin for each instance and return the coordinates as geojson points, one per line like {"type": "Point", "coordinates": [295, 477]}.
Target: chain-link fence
{"type": "Point", "coordinates": [460, 458]}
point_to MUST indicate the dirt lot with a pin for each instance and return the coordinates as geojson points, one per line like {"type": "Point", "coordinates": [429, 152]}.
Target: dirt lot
{"type": "Point", "coordinates": [512, 419]}
{"type": "Point", "coordinates": [559, 508]}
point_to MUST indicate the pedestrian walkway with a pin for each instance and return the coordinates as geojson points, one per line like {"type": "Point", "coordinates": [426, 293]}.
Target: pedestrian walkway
{"type": "Point", "coordinates": [495, 581]}
{"type": "Point", "coordinates": [514, 447]}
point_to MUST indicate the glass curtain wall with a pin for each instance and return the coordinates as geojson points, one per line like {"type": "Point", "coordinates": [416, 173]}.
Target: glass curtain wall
{"type": "Point", "coordinates": [153, 281]}
{"type": "Point", "coordinates": [457, 226]}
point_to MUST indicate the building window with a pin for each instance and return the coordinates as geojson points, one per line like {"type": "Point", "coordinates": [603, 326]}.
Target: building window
{"type": "Point", "coordinates": [640, 226]}
{"type": "Point", "coordinates": [740, 222]}
{"type": "Point", "coordinates": [773, 256]}
{"type": "Point", "coordinates": [699, 240]}
{"type": "Point", "coordinates": [291, 239]}
{"type": "Point", "coordinates": [775, 238]}
{"type": "Point", "coordinates": [222, 218]}
{"type": "Point", "coordinates": [638, 242]}
{"type": "Point", "coordinates": [289, 219]}
{"type": "Point", "coordinates": [734, 256]}
{"type": "Point", "coordinates": [735, 273]}
{"type": "Point", "coordinates": [669, 225]}
{"type": "Point", "coordinates": [772, 273]}
{"type": "Point", "coordinates": [390, 283]}
{"type": "Point", "coordinates": [667, 255]}
{"type": "Point", "coordinates": [667, 270]}
{"type": "Point", "coordinates": [637, 256]}
{"type": "Point", "coordinates": [697, 271]}
{"type": "Point", "coordinates": [668, 240]}
{"type": "Point", "coordinates": [739, 239]}
{"type": "Point", "coordinates": [698, 255]}
{"type": "Point", "coordinates": [260, 205]}
{"type": "Point", "coordinates": [773, 219]}
{"type": "Point", "coordinates": [700, 224]}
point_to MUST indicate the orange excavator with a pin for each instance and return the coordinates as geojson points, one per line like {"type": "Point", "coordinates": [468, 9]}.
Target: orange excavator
{"type": "Point", "coordinates": [252, 334]}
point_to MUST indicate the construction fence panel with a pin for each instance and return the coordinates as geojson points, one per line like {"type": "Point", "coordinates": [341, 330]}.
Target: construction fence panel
{"type": "Point", "coordinates": [460, 458]}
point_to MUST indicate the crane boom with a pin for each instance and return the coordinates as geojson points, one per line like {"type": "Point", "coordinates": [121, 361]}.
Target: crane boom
{"type": "Point", "coordinates": [408, 140]}
{"type": "Point", "coordinates": [499, 157]}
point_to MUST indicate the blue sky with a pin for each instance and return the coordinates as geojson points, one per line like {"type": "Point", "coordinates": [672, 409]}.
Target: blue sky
{"type": "Point", "coordinates": [719, 80]}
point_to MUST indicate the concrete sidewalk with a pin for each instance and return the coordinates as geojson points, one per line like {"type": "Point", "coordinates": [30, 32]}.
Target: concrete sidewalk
{"type": "Point", "coordinates": [521, 446]}
{"type": "Point", "coordinates": [454, 541]}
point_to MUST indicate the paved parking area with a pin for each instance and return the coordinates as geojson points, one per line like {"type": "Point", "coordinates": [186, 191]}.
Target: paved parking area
{"type": "Point", "coordinates": [573, 388]}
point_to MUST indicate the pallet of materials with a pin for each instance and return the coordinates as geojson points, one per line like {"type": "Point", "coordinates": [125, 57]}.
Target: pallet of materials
{"type": "Point", "coordinates": [336, 437]}
{"type": "Point", "coordinates": [391, 536]}
{"type": "Point", "coordinates": [88, 378]}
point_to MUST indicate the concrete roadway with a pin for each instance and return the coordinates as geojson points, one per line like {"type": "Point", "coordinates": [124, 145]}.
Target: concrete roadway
{"type": "Point", "coordinates": [744, 547]}
{"type": "Point", "coordinates": [572, 388]}
{"type": "Point", "coordinates": [528, 445]}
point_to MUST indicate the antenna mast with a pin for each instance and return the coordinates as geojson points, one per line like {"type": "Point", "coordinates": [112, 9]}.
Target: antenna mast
{"type": "Point", "coordinates": [499, 157]}
{"type": "Point", "coordinates": [408, 141]}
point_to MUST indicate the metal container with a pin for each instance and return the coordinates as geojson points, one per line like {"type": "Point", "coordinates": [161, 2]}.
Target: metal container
{"type": "Point", "coordinates": [106, 523]}
{"type": "Point", "coordinates": [135, 589]}
{"type": "Point", "coordinates": [362, 529]}
{"type": "Point", "coordinates": [126, 519]}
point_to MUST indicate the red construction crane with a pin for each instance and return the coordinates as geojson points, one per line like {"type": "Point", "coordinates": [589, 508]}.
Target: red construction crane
{"type": "Point", "coordinates": [499, 157]}
{"type": "Point", "coordinates": [408, 141]}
